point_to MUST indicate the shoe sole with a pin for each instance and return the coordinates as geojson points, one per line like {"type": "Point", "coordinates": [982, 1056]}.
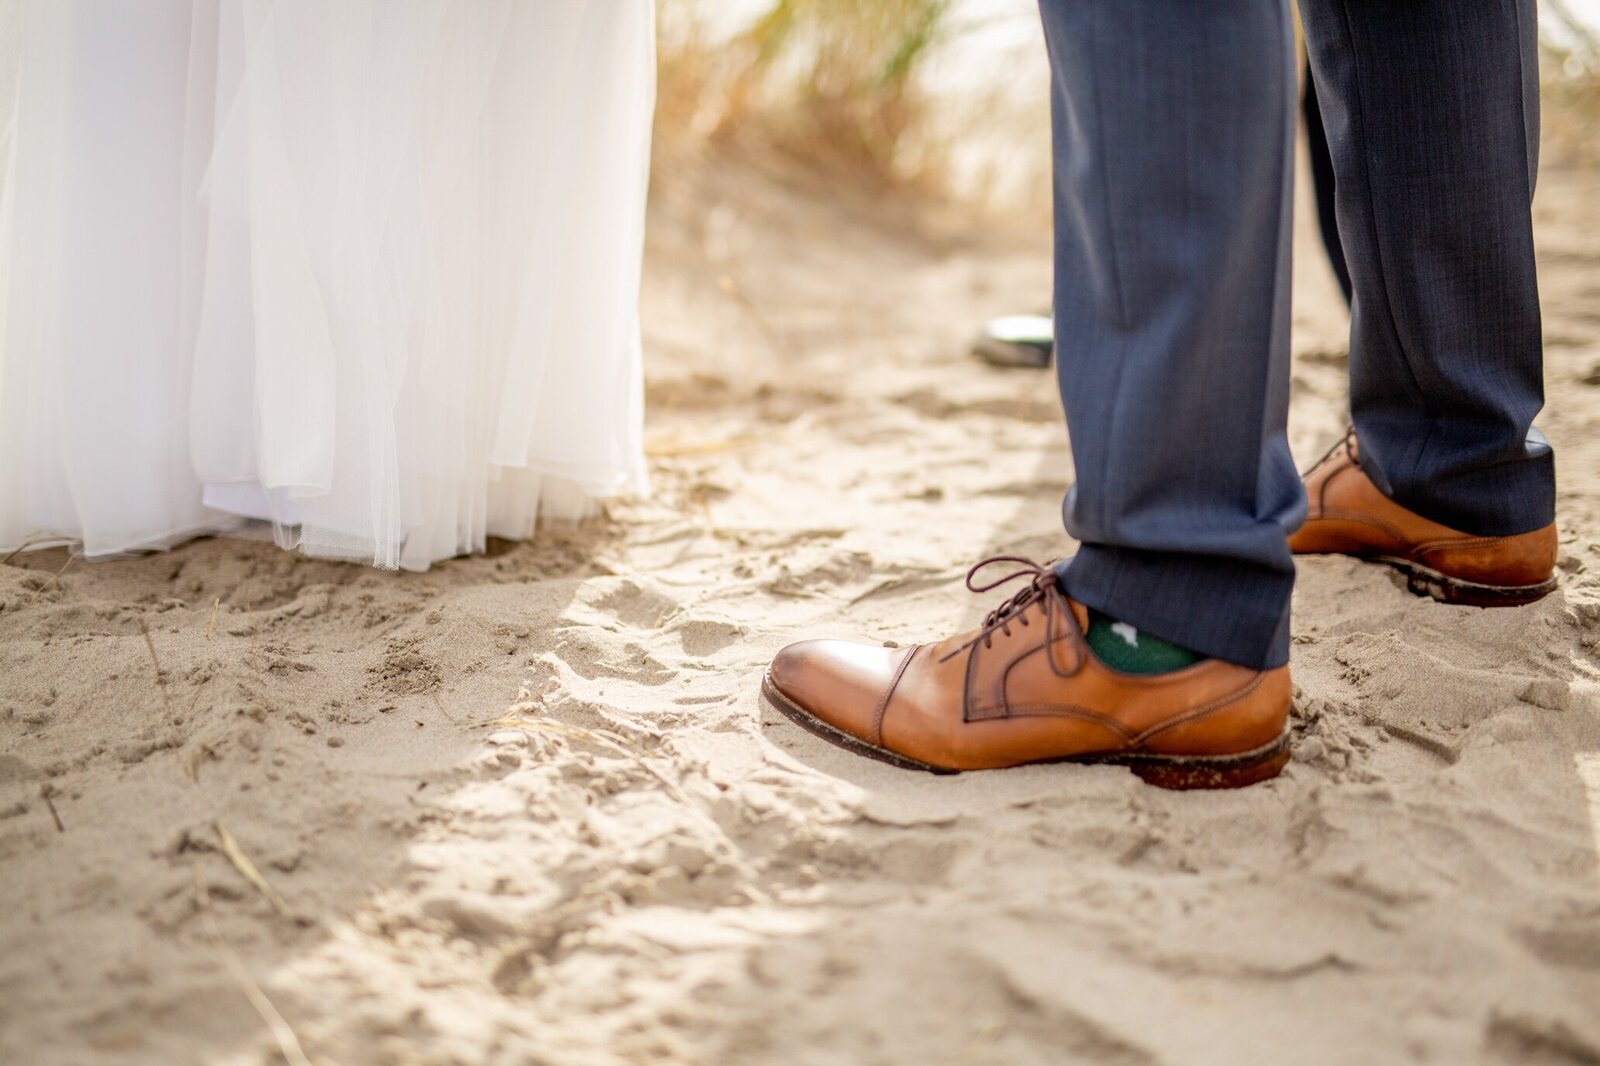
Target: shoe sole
{"type": "Point", "coordinates": [1424, 581]}
{"type": "Point", "coordinates": [1179, 772]}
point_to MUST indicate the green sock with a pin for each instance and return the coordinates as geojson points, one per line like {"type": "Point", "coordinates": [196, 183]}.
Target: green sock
{"type": "Point", "coordinates": [1124, 648]}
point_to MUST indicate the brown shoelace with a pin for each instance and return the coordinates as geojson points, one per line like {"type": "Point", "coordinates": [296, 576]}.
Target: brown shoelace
{"type": "Point", "coordinates": [1041, 586]}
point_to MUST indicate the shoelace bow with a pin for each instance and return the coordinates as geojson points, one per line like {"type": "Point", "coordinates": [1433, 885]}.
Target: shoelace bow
{"type": "Point", "coordinates": [1041, 587]}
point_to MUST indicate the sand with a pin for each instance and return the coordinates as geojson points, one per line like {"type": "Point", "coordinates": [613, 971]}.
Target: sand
{"type": "Point", "coordinates": [527, 808]}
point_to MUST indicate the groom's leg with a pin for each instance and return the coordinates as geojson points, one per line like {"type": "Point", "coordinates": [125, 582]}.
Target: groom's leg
{"type": "Point", "coordinates": [1432, 116]}
{"type": "Point", "coordinates": [1322, 182]}
{"type": "Point", "coordinates": [1173, 157]}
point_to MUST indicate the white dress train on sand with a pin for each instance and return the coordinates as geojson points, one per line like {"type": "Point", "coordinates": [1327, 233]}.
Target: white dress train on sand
{"type": "Point", "coordinates": [367, 269]}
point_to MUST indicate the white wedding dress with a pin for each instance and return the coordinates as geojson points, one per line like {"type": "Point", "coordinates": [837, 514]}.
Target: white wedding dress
{"type": "Point", "coordinates": [367, 269]}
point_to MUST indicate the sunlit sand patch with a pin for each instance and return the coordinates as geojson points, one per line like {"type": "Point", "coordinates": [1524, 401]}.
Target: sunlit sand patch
{"type": "Point", "coordinates": [1589, 771]}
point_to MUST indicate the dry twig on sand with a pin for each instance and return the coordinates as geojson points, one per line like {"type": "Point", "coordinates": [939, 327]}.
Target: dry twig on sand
{"type": "Point", "coordinates": [47, 793]}
{"type": "Point", "coordinates": [211, 626]}
{"type": "Point", "coordinates": [194, 700]}
{"type": "Point", "coordinates": [437, 702]}
{"type": "Point", "coordinates": [763, 324]}
{"type": "Point", "coordinates": [191, 765]}
{"type": "Point", "coordinates": [161, 675]}
{"type": "Point", "coordinates": [249, 871]}
{"type": "Point", "coordinates": [33, 542]}
{"type": "Point", "coordinates": [288, 1042]}
{"type": "Point", "coordinates": [250, 616]}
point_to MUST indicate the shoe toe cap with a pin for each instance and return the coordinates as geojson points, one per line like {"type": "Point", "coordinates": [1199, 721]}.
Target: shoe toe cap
{"type": "Point", "coordinates": [837, 682]}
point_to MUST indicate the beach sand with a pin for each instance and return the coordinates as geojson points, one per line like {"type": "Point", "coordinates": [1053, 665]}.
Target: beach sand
{"type": "Point", "coordinates": [528, 808]}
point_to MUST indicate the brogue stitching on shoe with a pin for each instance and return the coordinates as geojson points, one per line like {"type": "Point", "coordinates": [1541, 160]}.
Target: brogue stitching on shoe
{"type": "Point", "coordinates": [1322, 490]}
{"type": "Point", "coordinates": [973, 710]}
{"type": "Point", "coordinates": [1358, 518]}
{"type": "Point", "coordinates": [1069, 710]}
{"type": "Point", "coordinates": [1198, 713]}
{"type": "Point", "coordinates": [1447, 543]}
{"type": "Point", "coordinates": [1350, 460]}
{"type": "Point", "coordinates": [1072, 710]}
{"type": "Point", "coordinates": [969, 712]}
{"type": "Point", "coordinates": [888, 694]}
{"type": "Point", "coordinates": [1075, 638]}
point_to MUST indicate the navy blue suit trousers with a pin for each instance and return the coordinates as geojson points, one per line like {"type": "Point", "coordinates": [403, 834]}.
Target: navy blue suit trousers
{"type": "Point", "coordinates": [1173, 140]}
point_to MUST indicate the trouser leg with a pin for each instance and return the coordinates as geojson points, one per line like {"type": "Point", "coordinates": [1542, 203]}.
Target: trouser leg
{"type": "Point", "coordinates": [1173, 129]}
{"type": "Point", "coordinates": [1322, 183]}
{"type": "Point", "coordinates": [1431, 113]}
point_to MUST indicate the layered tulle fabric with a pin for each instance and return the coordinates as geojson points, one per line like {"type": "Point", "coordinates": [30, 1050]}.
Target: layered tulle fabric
{"type": "Point", "coordinates": [367, 268]}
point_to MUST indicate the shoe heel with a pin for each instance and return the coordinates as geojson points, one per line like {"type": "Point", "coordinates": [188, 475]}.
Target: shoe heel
{"type": "Point", "coordinates": [1237, 772]}
{"type": "Point", "coordinates": [1434, 585]}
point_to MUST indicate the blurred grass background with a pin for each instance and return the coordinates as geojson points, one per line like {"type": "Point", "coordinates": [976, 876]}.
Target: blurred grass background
{"type": "Point", "coordinates": [888, 93]}
{"type": "Point", "coordinates": [832, 83]}
{"type": "Point", "coordinates": [1570, 76]}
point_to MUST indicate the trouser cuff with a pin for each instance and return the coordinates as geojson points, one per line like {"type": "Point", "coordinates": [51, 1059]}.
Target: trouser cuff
{"type": "Point", "coordinates": [1221, 608]}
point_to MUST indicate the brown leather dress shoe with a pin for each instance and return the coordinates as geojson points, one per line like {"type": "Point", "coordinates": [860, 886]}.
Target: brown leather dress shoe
{"type": "Point", "coordinates": [1347, 515]}
{"type": "Point", "coordinates": [1024, 688]}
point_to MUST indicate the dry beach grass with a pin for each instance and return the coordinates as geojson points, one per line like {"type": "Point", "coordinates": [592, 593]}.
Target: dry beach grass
{"type": "Point", "coordinates": [527, 807]}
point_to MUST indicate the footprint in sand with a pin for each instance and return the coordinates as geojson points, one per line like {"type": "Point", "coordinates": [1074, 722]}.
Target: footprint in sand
{"type": "Point", "coordinates": [702, 637]}
{"type": "Point", "coordinates": [595, 657]}
{"type": "Point", "coordinates": [406, 669]}
{"type": "Point", "coordinates": [624, 600]}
